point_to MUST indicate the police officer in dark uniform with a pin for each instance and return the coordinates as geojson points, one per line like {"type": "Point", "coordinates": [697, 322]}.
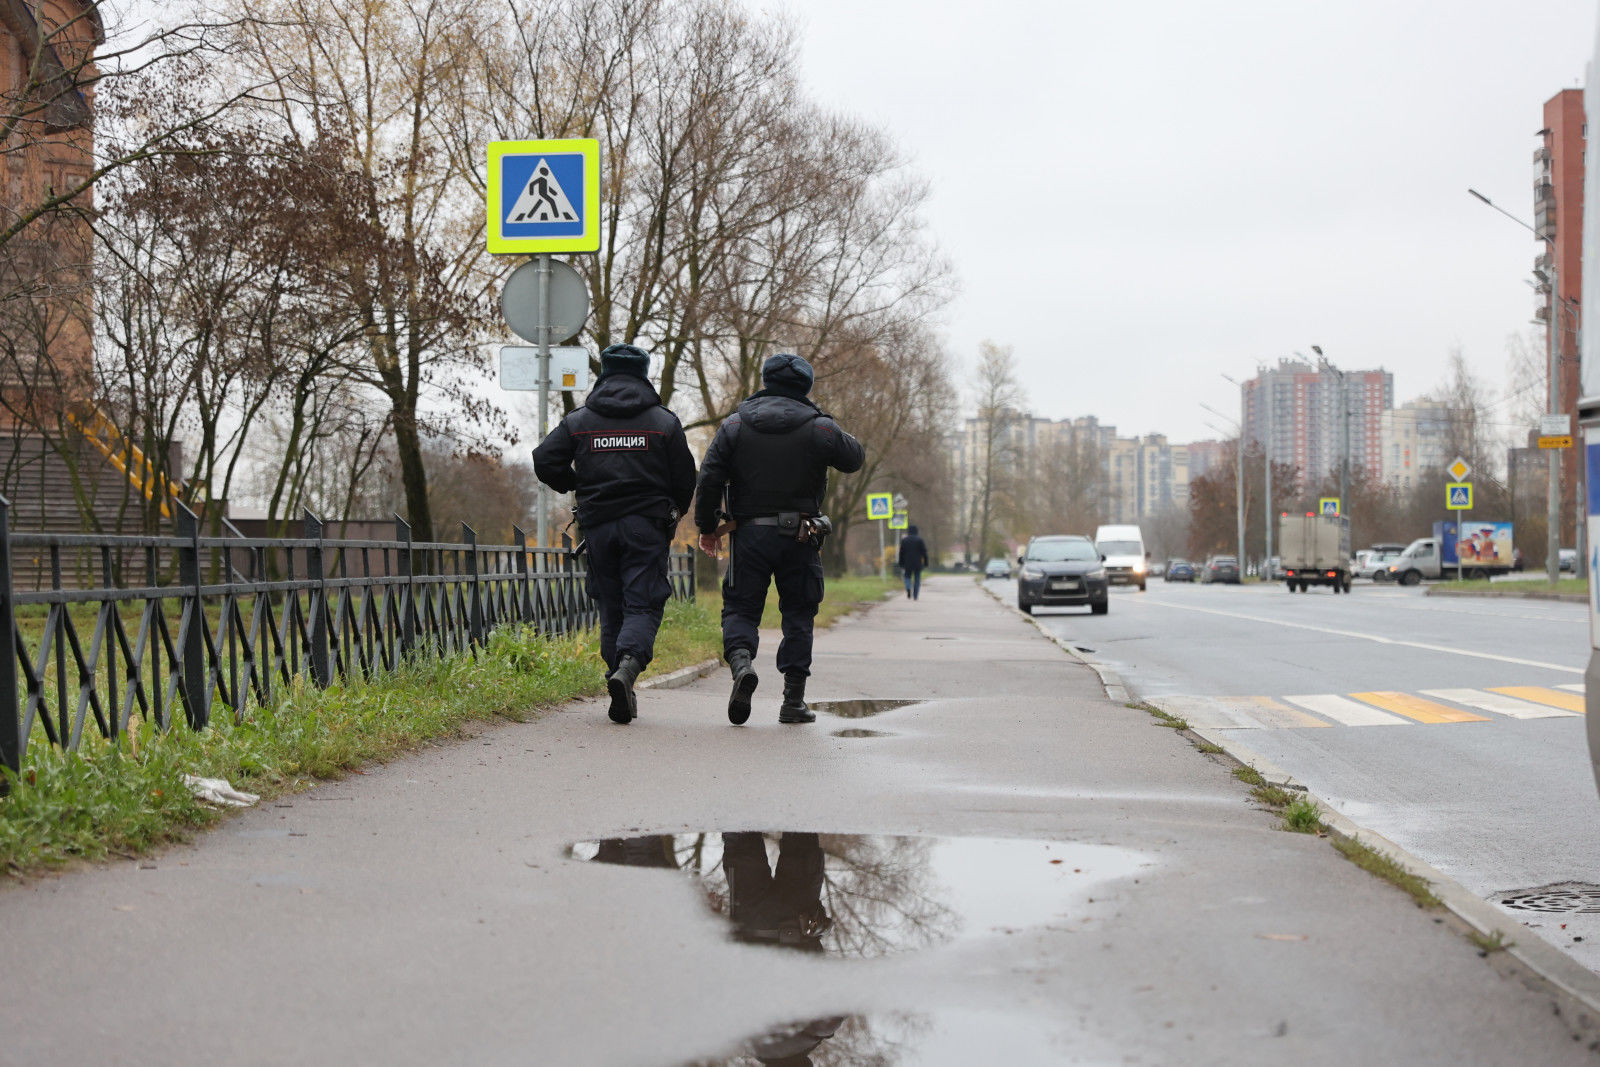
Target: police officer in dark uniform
{"type": "Point", "coordinates": [626, 456]}
{"type": "Point", "coordinates": [771, 458]}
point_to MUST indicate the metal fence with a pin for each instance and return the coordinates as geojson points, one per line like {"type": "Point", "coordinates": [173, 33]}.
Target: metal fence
{"type": "Point", "coordinates": [153, 626]}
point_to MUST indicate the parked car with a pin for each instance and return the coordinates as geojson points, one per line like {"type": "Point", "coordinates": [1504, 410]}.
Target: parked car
{"type": "Point", "coordinates": [1179, 570]}
{"type": "Point", "coordinates": [997, 568]}
{"type": "Point", "coordinates": [1220, 569]}
{"type": "Point", "coordinates": [1061, 571]}
{"type": "Point", "coordinates": [1374, 563]}
{"type": "Point", "coordinates": [1567, 559]}
{"type": "Point", "coordinates": [1275, 571]}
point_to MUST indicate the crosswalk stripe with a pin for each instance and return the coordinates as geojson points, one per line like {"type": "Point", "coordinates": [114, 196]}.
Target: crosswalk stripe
{"type": "Point", "coordinates": [1576, 687]}
{"type": "Point", "coordinates": [1346, 712]}
{"type": "Point", "coordinates": [1424, 711]}
{"type": "Point", "coordinates": [1274, 715]}
{"type": "Point", "coordinates": [1555, 698]}
{"type": "Point", "coordinates": [1497, 702]}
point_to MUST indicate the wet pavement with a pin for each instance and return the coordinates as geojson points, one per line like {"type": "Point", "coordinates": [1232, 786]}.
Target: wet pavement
{"type": "Point", "coordinates": [441, 912]}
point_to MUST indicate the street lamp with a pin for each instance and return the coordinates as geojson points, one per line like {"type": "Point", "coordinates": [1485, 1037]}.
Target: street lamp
{"type": "Point", "coordinates": [1267, 527]}
{"type": "Point", "coordinates": [1552, 562]}
{"type": "Point", "coordinates": [1238, 483]}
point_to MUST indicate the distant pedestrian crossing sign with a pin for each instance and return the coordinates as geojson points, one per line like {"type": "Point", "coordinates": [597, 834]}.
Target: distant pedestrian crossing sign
{"type": "Point", "coordinates": [544, 196]}
{"type": "Point", "coordinates": [1329, 505]}
{"type": "Point", "coordinates": [899, 521]}
{"type": "Point", "coordinates": [880, 506]}
{"type": "Point", "coordinates": [1458, 496]}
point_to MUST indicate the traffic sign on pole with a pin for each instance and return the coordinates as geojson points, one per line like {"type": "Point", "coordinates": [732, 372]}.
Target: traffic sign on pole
{"type": "Point", "coordinates": [544, 196]}
{"type": "Point", "coordinates": [899, 521]}
{"type": "Point", "coordinates": [1329, 505]}
{"type": "Point", "coordinates": [1458, 496]}
{"type": "Point", "coordinates": [1459, 470]}
{"type": "Point", "coordinates": [569, 301]}
{"type": "Point", "coordinates": [519, 367]}
{"type": "Point", "coordinates": [880, 505]}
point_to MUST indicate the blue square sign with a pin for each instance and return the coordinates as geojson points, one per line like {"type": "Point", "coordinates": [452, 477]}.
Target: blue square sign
{"type": "Point", "coordinates": [544, 196]}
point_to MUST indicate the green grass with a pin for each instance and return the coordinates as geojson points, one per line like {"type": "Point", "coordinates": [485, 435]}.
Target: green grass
{"type": "Point", "coordinates": [1382, 865]}
{"type": "Point", "coordinates": [123, 799]}
{"type": "Point", "coordinates": [1208, 748]}
{"type": "Point", "coordinates": [1273, 796]}
{"type": "Point", "coordinates": [1171, 722]}
{"type": "Point", "coordinates": [1484, 587]}
{"type": "Point", "coordinates": [1302, 816]}
{"type": "Point", "coordinates": [1249, 776]}
{"type": "Point", "coordinates": [1487, 943]}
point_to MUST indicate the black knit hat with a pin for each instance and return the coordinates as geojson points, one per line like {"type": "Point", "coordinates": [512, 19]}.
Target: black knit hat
{"type": "Point", "coordinates": [625, 359]}
{"type": "Point", "coordinates": [787, 373]}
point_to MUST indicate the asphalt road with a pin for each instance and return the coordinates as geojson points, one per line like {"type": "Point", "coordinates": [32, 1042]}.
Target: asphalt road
{"type": "Point", "coordinates": [1450, 725]}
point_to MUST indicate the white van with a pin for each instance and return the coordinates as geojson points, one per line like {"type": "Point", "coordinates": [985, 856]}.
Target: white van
{"type": "Point", "coordinates": [1123, 550]}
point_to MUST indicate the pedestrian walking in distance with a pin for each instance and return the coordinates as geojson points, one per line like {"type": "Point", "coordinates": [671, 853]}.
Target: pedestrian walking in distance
{"type": "Point", "coordinates": [769, 461]}
{"type": "Point", "coordinates": [627, 459]}
{"type": "Point", "coordinates": [913, 557]}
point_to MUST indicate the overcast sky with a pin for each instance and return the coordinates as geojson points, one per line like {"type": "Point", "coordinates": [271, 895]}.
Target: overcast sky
{"type": "Point", "coordinates": [1140, 197]}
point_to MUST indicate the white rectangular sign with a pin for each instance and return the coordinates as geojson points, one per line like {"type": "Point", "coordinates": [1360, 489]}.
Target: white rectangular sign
{"type": "Point", "coordinates": [1555, 425]}
{"type": "Point", "coordinates": [519, 367]}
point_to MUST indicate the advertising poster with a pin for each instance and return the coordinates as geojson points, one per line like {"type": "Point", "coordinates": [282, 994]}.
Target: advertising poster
{"type": "Point", "coordinates": [1487, 543]}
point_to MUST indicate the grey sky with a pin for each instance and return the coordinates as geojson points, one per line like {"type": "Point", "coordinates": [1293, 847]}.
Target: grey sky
{"type": "Point", "coordinates": [1139, 197]}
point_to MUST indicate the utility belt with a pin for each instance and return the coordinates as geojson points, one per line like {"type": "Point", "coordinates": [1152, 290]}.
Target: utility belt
{"type": "Point", "coordinates": [807, 529]}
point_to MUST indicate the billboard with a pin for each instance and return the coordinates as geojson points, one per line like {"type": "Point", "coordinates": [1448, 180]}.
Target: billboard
{"type": "Point", "coordinates": [1485, 544]}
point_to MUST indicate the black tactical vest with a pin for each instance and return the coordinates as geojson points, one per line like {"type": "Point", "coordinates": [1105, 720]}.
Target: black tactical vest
{"type": "Point", "coordinates": [775, 472]}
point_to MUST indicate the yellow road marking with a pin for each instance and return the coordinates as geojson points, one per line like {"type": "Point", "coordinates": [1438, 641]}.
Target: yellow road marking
{"type": "Point", "coordinates": [1423, 711]}
{"type": "Point", "coordinates": [1273, 714]}
{"type": "Point", "coordinates": [1555, 698]}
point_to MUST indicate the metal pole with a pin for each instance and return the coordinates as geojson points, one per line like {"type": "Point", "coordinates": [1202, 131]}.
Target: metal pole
{"type": "Point", "coordinates": [544, 388]}
{"type": "Point", "coordinates": [1267, 563]}
{"type": "Point", "coordinates": [1238, 480]}
{"type": "Point", "coordinates": [1344, 443]}
{"type": "Point", "coordinates": [883, 571]}
{"type": "Point", "coordinates": [1580, 566]}
{"type": "Point", "coordinates": [1552, 565]}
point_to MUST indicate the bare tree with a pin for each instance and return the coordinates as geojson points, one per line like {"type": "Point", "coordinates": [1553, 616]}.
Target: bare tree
{"type": "Point", "coordinates": [998, 454]}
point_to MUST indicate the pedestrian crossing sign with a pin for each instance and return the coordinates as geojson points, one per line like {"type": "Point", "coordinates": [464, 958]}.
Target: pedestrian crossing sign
{"type": "Point", "coordinates": [1329, 505]}
{"type": "Point", "coordinates": [880, 506]}
{"type": "Point", "coordinates": [1458, 496]}
{"type": "Point", "coordinates": [899, 521]}
{"type": "Point", "coordinates": [544, 196]}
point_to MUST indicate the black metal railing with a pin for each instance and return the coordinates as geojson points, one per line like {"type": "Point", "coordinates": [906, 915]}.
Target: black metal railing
{"type": "Point", "coordinates": [151, 626]}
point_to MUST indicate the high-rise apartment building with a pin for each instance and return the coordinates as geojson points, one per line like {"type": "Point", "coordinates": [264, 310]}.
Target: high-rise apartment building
{"type": "Point", "coordinates": [1312, 417]}
{"type": "Point", "coordinates": [1415, 438]}
{"type": "Point", "coordinates": [1558, 218]}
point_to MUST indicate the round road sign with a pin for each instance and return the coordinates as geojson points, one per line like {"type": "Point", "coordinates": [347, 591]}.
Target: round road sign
{"type": "Point", "coordinates": [569, 301]}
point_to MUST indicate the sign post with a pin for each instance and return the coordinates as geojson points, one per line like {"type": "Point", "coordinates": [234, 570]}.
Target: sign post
{"type": "Point", "coordinates": [543, 197]}
{"type": "Point", "coordinates": [880, 508]}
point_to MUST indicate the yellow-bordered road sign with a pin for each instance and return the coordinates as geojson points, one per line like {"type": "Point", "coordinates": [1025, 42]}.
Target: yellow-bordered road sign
{"type": "Point", "coordinates": [899, 521]}
{"type": "Point", "coordinates": [1458, 496]}
{"type": "Point", "coordinates": [544, 196]}
{"type": "Point", "coordinates": [880, 505]}
{"type": "Point", "coordinates": [1328, 505]}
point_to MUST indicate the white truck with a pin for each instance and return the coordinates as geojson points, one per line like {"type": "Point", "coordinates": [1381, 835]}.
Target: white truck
{"type": "Point", "coordinates": [1122, 549]}
{"type": "Point", "coordinates": [1316, 551]}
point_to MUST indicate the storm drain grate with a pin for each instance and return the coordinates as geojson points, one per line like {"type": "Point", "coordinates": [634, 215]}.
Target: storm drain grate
{"type": "Point", "coordinates": [1562, 898]}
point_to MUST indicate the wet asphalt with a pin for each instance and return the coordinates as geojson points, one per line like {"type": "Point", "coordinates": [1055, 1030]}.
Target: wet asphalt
{"type": "Point", "coordinates": [1051, 876]}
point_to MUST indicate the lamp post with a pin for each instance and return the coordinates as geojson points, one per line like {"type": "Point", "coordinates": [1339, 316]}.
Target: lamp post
{"type": "Point", "coordinates": [1267, 504]}
{"type": "Point", "coordinates": [1238, 483]}
{"type": "Point", "coordinates": [1552, 404]}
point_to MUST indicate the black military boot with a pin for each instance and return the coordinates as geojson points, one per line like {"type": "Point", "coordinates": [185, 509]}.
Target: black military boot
{"type": "Point", "coordinates": [793, 708]}
{"type": "Point", "coordinates": [619, 683]}
{"type": "Point", "coordinates": [744, 684]}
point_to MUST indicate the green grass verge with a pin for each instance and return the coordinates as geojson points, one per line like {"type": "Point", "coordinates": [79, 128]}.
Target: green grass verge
{"type": "Point", "coordinates": [1172, 722]}
{"type": "Point", "coordinates": [120, 800]}
{"type": "Point", "coordinates": [1484, 587]}
{"type": "Point", "coordinates": [1382, 865]}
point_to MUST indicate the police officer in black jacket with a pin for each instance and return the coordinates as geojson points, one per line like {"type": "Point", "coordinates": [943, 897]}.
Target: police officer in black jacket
{"type": "Point", "coordinates": [771, 457]}
{"type": "Point", "coordinates": [626, 456]}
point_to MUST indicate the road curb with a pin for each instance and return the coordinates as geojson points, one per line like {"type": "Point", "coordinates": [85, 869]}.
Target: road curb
{"type": "Point", "coordinates": [1528, 948]}
{"type": "Point", "coordinates": [680, 678]}
{"type": "Point", "coordinates": [1567, 598]}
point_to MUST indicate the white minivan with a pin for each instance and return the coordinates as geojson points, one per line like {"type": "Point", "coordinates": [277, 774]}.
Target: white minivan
{"type": "Point", "coordinates": [1122, 547]}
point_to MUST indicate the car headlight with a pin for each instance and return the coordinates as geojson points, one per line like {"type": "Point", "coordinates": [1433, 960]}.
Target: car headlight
{"type": "Point", "coordinates": [1138, 568]}
{"type": "Point", "coordinates": [1029, 572]}
{"type": "Point", "coordinates": [1096, 575]}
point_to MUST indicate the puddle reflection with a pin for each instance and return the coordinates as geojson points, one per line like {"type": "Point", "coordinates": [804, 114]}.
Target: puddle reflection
{"type": "Point", "coordinates": [859, 709]}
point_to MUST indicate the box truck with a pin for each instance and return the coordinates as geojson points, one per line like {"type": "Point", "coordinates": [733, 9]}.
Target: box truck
{"type": "Point", "coordinates": [1476, 550]}
{"type": "Point", "coordinates": [1315, 551]}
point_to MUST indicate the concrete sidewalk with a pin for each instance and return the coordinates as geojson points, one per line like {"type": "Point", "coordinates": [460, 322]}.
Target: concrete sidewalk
{"type": "Point", "coordinates": [428, 911]}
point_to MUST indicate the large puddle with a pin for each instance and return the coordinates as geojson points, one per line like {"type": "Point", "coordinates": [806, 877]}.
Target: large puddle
{"type": "Point", "coordinates": [858, 709]}
{"type": "Point", "coordinates": [861, 896]}
{"type": "Point", "coordinates": [858, 895]}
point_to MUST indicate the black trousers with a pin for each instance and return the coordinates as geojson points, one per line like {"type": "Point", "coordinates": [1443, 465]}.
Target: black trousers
{"type": "Point", "coordinates": [763, 554]}
{"type": "Point", "coordinates": [628, 560]}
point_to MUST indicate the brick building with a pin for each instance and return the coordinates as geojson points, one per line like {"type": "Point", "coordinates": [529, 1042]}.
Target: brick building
{"type": "Point", "coordinates": [1558, 218]}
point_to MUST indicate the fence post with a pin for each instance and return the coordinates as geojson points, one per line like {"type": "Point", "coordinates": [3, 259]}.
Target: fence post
{"type": "Point", "coordinates": [475, 629]}
{"type": "Point", "coordinates": [321, 675]}
{"type": "Point", "coordinates": [12, 743]}
{"type": "Point", "coordinates": [524, 595]}
{"type": "Point", "coordinates": [197, 699]}
{"type": "Point", "coordinates": [408, 599]}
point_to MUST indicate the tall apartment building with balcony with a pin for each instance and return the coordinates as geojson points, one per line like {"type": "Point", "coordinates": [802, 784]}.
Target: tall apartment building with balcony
{"type": "Point", "coordinates": [1558, 219]}
{"type": "Point", "coordinates": [1415, 438]}
{"type": "Point", "coordinates": [1312, 417]}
